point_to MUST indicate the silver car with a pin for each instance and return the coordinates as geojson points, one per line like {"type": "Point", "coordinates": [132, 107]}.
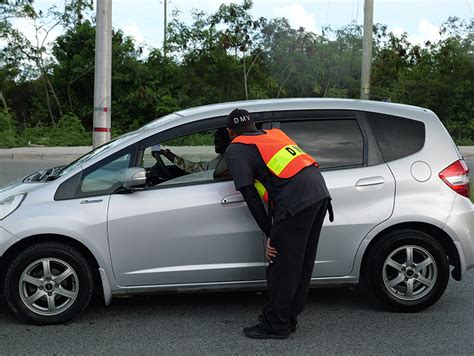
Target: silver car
{"type": "Point", "coordinates": [122, 221]}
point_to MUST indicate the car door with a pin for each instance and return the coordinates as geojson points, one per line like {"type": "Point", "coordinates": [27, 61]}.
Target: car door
{"type": "Point", "coordinates": [192, 229]}
{"type": "Point", "coordinates": [362, 186]}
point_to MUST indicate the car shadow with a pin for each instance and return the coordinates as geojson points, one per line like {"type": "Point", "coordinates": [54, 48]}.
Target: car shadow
{"type": "Point", "coordinates": [226, 304]}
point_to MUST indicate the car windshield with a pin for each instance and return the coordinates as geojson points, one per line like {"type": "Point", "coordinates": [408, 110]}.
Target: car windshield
{"type": "Point", "coordinates": [104, 148]}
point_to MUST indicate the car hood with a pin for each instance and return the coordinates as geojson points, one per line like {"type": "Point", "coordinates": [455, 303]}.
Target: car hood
{"type": "Point", "coordinates": [18, 187]}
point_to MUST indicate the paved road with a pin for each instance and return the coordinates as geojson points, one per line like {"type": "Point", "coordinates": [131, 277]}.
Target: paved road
{"type": "Point", "coordinates": [335, 321]}
{"type": "Point", "coordinates": [14, 169]}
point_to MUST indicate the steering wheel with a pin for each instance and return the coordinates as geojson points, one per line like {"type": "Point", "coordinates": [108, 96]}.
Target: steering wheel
{"type": "Point", "coordinates": [159, 170]}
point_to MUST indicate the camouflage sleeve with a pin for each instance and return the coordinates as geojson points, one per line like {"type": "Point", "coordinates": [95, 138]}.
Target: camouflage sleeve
{"type": "Point", "coordinates": [186, 165]}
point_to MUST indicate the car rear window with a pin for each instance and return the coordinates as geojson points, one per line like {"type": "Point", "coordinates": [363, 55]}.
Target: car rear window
{"type": "Point", "coordinates": [333, 143]}
{"type": "Point", "coordinates": [397, 137]}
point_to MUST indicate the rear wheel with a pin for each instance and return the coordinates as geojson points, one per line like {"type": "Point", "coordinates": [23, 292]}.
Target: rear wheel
{"type": "Point", "coordinates": [48, 283]}
{"type": "Point", "coordinates": [408, 271]}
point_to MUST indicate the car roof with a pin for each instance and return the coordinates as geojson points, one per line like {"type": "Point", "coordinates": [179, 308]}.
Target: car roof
{"type": "Point", "coordinates": [299, 104]}
{"type": "Point", "coordinates": [223, 109]}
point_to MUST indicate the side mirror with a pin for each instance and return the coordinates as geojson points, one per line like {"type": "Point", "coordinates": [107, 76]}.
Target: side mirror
{"type": "Point", "coordinates": [134, 177]}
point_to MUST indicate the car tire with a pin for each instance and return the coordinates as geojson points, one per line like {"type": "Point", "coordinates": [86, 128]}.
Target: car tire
{"type": "Point", "coordinates": [408, 271]}
{"type": "Point", "coordinates": [48, 283]}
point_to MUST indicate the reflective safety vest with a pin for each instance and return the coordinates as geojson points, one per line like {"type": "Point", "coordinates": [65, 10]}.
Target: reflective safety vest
{"type": "Point", "coordinates": [262, 191]}
{"type": "Point", "coordinates": [280, 153]}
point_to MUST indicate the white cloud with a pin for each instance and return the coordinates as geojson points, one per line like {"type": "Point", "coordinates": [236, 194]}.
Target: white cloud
{"type": "Point", "coordinates": [133, 30]}
{"type": "Point", "coordinates": [426, 31]}
{"type": "Point", "coordinates": [398, 31]}
{"type": "Point", "coordinates": [297, 16]}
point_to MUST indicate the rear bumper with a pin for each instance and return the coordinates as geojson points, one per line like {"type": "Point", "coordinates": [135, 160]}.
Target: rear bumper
{"type": "Point", "coordinates": [460, 226]}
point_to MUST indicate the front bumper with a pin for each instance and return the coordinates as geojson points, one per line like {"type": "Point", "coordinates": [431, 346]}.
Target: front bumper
{"type": "Point", "coordinates": [460, 226]}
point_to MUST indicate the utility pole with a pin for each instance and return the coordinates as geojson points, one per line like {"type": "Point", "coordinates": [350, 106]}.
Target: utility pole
{"type": "Point", "coordinates": [367, 49]}
{"type": "Point", "coordinates": [103, 73]}
{"type": "Point", "coordinates": [165, 3]}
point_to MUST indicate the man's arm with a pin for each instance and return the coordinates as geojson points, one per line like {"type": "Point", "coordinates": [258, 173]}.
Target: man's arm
{"type": "Point", "coordinates": [255, 205]}
{"type": "Point", "coordinates": [186, 165]}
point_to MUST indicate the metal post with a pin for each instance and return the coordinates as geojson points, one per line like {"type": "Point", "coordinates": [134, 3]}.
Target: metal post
{"type": "Point", "coordinates": [165, 25]}
{"type": "Point", "coordinates": [103, 73]}
{"type": "Point", "coordinates": [367, 49]}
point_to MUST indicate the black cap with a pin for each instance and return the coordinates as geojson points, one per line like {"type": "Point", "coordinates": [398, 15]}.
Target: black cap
{"type": "Point", "coordinates": [240, 120]}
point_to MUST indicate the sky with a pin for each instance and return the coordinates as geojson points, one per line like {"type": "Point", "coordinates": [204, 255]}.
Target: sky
{"type": "Point", "coordinates": [143, 19]}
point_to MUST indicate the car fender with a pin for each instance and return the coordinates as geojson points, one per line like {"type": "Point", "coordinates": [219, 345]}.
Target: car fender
{"type": "Point", "coordinates": [390, 223]}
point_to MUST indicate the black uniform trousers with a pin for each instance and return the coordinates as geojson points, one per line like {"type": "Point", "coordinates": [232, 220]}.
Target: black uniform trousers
{"type": "Point", "coordinates": [288, 277]}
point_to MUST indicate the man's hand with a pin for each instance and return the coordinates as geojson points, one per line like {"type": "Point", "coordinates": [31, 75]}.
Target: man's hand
{"type": "Point", "coordinates": [270, 252]}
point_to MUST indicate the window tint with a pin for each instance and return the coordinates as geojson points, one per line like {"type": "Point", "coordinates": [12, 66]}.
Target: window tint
{"type": "Point", "coordinates": [397, 137]}
{"type": "Point", "coordinates": [333, 143]}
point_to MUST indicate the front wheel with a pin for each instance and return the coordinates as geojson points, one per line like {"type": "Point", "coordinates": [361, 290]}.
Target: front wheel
{"type": "Point", "coordinates": [408, 271]}
{"type": "Point", "coordinates": [48, 283]}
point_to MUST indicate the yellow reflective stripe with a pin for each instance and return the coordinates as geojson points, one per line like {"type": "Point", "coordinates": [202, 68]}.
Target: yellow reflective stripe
{"type": "Point", "coordinates": [283, 157]}
{"type": "Point", "coordinates": [260, 188]}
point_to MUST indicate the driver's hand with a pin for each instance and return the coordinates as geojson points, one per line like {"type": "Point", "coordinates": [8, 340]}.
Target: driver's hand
{"type": "Point", "coordinates": [270, 252]}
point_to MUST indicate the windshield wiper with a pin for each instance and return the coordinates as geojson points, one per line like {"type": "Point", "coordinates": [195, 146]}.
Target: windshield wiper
{"type": "Point", "coordinates": [43, 175]}
{"type": "Point", "coordinates": [54, 174]}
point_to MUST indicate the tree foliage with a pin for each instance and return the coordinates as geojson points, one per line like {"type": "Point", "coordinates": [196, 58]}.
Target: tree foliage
{"type": "Point", "coordinates": [46, 87]}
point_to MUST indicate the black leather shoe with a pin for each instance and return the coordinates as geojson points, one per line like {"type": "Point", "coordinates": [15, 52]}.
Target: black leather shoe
{"type": "Point", "coordinates": [292, 327]}
{"type": "Point", "coordinates": [251, 328]}
{"type": "Point", "coordinates": [256, 332]}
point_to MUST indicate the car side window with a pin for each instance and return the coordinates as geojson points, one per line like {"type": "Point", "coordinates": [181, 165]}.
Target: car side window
{"type": "Point", "coordinates": [106, 178]}
{"type": "Point", "coordinates": [187, 159]}
{"type": "Point", "coordinates": [397, 137]}
{"type": "Point", "coordinates": [334, 143]}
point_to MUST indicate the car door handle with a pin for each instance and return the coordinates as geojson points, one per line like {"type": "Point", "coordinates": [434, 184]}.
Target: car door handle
{"type": "Point", "coordinates": [234, 198]}
{"type": "Point", "coordinates": [364, 182]}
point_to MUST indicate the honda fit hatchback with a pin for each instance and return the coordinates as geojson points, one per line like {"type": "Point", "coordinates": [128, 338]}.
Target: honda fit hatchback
{"type": "Point", "coordinates": [123, 220]}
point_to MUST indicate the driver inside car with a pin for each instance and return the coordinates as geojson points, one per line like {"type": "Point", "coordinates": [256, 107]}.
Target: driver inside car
{"type": "Point", "coordinates": [221, 141]}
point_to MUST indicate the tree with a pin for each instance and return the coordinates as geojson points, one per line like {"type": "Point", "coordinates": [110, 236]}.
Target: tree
{"type": "Point", "coordinates": [35, 56]}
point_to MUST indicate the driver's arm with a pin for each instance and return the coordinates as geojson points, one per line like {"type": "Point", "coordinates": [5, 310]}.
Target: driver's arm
{"type": "Point", "coordinates": [184, 164]}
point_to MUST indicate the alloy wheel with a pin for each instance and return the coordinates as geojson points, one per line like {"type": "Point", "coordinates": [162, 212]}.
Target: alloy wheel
{"type": "Point", "coordinates": [409, 272]}
{"type": "Point", "coordinates": [48, 286]}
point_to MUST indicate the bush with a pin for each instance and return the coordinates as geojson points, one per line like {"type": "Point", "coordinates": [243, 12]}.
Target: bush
{"type": "Point", "coordinates": [68, 132]}
{"type": "Point", "coordinates": [196, 139]}
{"type": "Point", "coordinates": [8, 134]}
{"type": "Point", "coordinates": [462, 132]}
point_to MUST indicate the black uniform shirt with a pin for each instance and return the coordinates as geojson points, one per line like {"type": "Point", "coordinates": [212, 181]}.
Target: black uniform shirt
{"type": "Point", "coordinates": [289, 196]}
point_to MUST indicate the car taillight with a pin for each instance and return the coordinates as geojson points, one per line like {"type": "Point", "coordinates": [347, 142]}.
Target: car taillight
{"type": "Point", "coordinates": [456, 176]}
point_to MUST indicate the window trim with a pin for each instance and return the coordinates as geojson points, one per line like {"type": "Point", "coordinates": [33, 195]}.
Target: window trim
{"type": "Point", "coordinates": [374, 154]}
{"type": "Point", "coordinates": [187, 184]}
{"type": "Point", "coordinates": [327, 115]}
{"type": "Point", "coordinates": [197, 126]}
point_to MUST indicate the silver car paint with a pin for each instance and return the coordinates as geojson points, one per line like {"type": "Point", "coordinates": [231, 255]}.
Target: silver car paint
{"type": "Point", "coordinates": [181, 228]}
{"type": "Point", "coordinates": [430, 201]}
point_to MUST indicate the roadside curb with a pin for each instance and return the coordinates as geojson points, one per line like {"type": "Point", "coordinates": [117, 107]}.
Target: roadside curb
{"type": "Point", "coordinates": [467, 151]}
{"type": "Point", "coordinates": [44, 153]}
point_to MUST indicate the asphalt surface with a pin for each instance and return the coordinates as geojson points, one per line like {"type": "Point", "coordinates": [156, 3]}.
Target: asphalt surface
{"type": "Point", "coordinates": [335, 321]}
